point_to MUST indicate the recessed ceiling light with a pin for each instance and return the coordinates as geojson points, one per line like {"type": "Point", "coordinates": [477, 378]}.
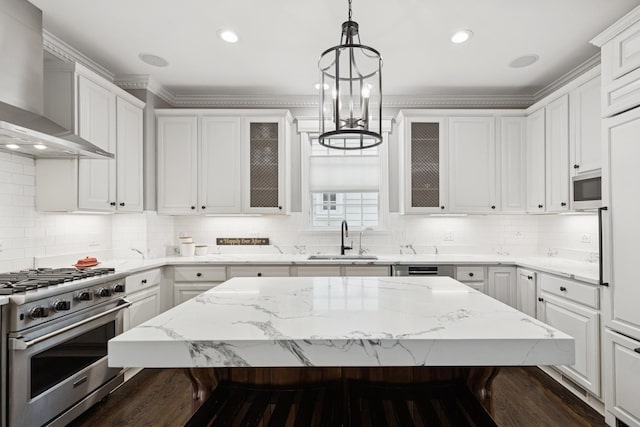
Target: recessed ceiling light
{"type": "Point", "coordinates": [40, 147]}
{"type": "Point", "coordinates": [228, 36]}
{"type": "Point", "coordinates": [523, 61]}
{"type": "Point", "coordinates": [12, 146]}
{"type": "Point", "coordinates": [154, 60]}
{"type": "Point", "coordinates": [461, 36]}
{"type": "Point", "coordinates": [324, 86]}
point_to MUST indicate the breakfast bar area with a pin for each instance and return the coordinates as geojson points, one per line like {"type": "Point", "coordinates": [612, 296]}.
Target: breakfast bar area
{"type": "Point", "coordinates": [291, 338]}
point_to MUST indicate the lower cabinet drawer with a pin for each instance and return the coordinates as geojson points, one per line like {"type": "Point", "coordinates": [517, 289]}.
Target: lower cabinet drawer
{"type": "Point", "coordinates": [184, 292]}
{"type": "Point", "coordinates": [470, 274]}
{"type": "Point", "coordinates": [582, 293]}
{"type": "Point", "coordinates": [258, 271]}
{"type": "Point", "coordinates": [622, 378]}
{"type": "Point", "coordinates": [373, 270]}
{"type": "Point", "coordinates": [478, 286]}
{"type": "Point", "coordinates": [319, 271]}
{"type": "Point", "coordinates": [143, 280]}
{"type": "Point", "coordinates": [200, 274]}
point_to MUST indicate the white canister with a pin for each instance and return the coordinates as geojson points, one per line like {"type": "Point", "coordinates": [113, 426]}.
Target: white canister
{"type": "Point", "coordinates": [187, 249]}
{"type": "Point", "coordinates": [185, 239]}
{"type": "Point", "coordinates": [201, 250]}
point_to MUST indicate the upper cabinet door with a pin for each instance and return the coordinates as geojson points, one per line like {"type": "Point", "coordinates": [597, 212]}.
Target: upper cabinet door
{"type": "Point", "coordinates": [557, 153]}
{"type": "Point", "coordinates": [97, 124]}
{"type": "Point", "coordinates": [177, 165]}
{"type": "Point", "coordinates": [129, 157]}
{"type": "Point", "coordinates": [220, 156]}
{"type": "Point", "coordinates": [423, 163]}
{"type": "Point", "coordinates": [513, 178]}
{"type": "Point", "coordinates": [586, 125]}
{"type": "Point", "coordinates": [265, 165]}
{"type": "Point", "coordinates": [536, 162]}
{"type": "Point", "coordinates": [472, 164]}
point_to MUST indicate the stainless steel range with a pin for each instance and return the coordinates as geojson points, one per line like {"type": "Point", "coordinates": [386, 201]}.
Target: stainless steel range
{"type": "Point", "coordinates": [59, 324]}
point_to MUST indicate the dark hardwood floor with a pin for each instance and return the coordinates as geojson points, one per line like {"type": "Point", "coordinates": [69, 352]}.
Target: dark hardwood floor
{"type": "Point", "coordinates": [524, 397]}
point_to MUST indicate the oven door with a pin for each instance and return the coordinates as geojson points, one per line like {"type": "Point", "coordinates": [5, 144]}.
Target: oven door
{"type": "Point", "coordinates": [53, 369]}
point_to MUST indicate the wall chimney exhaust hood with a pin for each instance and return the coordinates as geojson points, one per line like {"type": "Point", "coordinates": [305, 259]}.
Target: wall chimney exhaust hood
{"type": "Point", "coordinates": [23, 128]}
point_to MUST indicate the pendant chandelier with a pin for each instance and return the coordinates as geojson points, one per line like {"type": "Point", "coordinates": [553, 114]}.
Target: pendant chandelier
{"type": "Point", "coordinates": [350, 93]}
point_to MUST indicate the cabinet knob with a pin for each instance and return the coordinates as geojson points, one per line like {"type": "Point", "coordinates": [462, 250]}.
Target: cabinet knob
{"type": "Point", "coordinates": [576, 166]}
{"type": "Point", "coordinates": [540, 206]}
{"type": "Point", "coordinates": [143, 281]}
{"type": "Point", "coordinates": [493, 206]}
{"type": "Point", "coordinates": [637, 350]}
{"type": "Point", "coordinates": [112, 203]}
{"type": "Point", "coordinates": [121, 203]}
{"type": "Point", "coordinates": [280, 207]}
{"type": "Point", "coordinates": [441, 207]}
{"type": "Point", "coordinates": [259, 274]}
{"type": "Point", "coordinates": [540, 299]}
{"type": "Point", "coordinates": [199, 274]}
{"type": "Point", "coordinates": [203, 207]}
{"type": "Point", "coordinates": [530, 277]}
{"type": "Point", "coordinates": [563, 204]}
{"type": "Point", "coordinates": [563, 289]}
{"type": "Point", "coordinates": [470, 274]}
{"type": "Point", "coordinates": [193, 207]}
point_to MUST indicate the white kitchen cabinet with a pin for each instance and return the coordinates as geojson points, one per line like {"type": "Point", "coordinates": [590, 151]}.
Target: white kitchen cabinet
{"type": "Point", "coordinates": [319, 271]}
{"type": "Point", "coordinates": [622, 373]}
{"type": "Point", "coordinates": [129, 137]}
{"type": "Point", "coordinates": [367, 270]}
{"type": "Point", "coordinates": [527, 292]}
{"type": "Point", "coordinates": [97, 124]}
{"type": "Point", "coordinates": [557, 154]}
{"type": "Point", "coordinates": [583, 324]}
{"type": "Point", "coordinates": [513, 166]}
{"type": "Point", "coordinates": [220, 177]}
{"type": "Point", "coordinates": [621, 176]}
{"type": "Point", "coordinates": [472, 276]}
{"type": "Point", "coordinates": [259, 271]}
{"type": "Point", "coordinates": [143, 290]}
{"type": "Point", "coordinates": [191, 281]}
{"type": "Point", "coordinates": [223, 161]}
{"type": "Point", "coordinates": [106, 116]}
{"type": "Point", "coordinates": [586, 124]}
{"type": "Point", "coordinates": [177, 165]}
{"type": "Point", "coordinates": [502, 284]}
{"type": "Point", "coordinates": [472, 164]}
{"type": "Point", "coordinates": [536, 162]}
{"type": "Point", "coordinates": [423, 163]}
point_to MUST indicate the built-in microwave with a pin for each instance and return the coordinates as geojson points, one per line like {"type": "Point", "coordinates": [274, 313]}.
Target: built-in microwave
{"type": "Point", "coordinates": [587, 191]}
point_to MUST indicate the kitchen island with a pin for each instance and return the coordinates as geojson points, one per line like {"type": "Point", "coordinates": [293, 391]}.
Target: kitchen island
{"type": "Point", "coordinates": [306, 329]}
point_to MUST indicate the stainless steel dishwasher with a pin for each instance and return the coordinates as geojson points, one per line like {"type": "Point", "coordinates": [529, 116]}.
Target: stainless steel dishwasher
{"type": "Point", "coordinates": [422, 270]}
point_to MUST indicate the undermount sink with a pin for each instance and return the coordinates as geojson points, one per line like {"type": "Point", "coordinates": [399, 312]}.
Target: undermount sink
{"type": "Point", "coordinates": [339, 257]}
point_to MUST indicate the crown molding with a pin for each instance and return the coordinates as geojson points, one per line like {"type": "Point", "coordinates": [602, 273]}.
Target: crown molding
{"type": "Point", "coordinates": [67, 53]}
{"type": "Point", "coordinates": [619, 26]}
{"type": "Point", "coordinates": [566, 78]}
{"type": "Point", "coordinates": [458, 101]}
{"type": "Point", "coordinates": [146, 82]}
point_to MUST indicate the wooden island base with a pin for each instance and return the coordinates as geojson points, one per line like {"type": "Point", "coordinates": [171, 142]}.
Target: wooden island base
{"type": "Point", "coordinates": [479, 379]}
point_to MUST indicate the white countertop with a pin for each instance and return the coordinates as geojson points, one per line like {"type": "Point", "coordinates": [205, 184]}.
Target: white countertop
{"type": "Point", "coordinates": [4, 300]}
{"type": "Point", "coordinates": [341, 321]}
{"type": "Point", "coordinates": [584, 271]}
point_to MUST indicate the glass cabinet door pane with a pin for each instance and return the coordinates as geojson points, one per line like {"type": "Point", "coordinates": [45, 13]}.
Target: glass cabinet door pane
{"type": "Point", "coordinates": [425, 165]}
{"type": "Point", "coordinates": [263, 165]}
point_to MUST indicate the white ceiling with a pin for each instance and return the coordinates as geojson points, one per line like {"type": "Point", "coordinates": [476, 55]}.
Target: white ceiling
{"type": "Point", "coordinates": [281, 41]}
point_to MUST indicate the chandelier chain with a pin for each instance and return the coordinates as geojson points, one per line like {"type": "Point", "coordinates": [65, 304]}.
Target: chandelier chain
{"type": "Point", "coordinates": [349, 10]}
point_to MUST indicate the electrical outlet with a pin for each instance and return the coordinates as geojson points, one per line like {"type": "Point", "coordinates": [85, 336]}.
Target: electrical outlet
{"type": "Point", "coordinates": [519, 234]}
{"type": "Point", "coordinates": [586, 238]}
{"type": "Point", "coordinates": [448, 236]}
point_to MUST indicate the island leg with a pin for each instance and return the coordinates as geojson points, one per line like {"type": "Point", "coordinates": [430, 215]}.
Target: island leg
{"type": "Point", "coordinates": [203, 381]}
{"type": "Point", "coordinates": [480, 381]}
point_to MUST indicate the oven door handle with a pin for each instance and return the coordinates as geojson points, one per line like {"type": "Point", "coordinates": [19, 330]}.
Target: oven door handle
{"type": "Point", "coordinates": [18, 344]}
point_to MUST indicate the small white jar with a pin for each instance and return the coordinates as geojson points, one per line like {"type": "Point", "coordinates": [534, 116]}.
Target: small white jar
{"type": "Point", "coordinates": [187, 249]}
{"type": "Point", "coordinates": [202, 250]}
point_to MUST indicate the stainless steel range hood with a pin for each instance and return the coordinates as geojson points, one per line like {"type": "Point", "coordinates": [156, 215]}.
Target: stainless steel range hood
{"type": "Point", "coordinates": [23, 128]}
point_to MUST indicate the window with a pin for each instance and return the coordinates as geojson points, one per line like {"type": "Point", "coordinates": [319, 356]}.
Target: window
{"type": "Point", "coordinates": [343, 185]}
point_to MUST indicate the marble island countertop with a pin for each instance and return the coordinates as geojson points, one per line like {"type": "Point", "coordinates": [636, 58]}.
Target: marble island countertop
{"type": "Point", "coordinates": [341, 321]}
{"type": "Point", "coordinates": [584, 271]}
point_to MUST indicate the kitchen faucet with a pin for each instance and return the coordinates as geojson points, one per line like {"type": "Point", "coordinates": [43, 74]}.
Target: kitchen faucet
{"type": "Point", "coordinates": [138, 251]}
{"type": "Point", "coordinates": [344, 232]}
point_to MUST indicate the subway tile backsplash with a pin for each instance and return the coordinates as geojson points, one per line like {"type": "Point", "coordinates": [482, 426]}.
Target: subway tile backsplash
{"type": "Point", "coordinates": [26, 233]}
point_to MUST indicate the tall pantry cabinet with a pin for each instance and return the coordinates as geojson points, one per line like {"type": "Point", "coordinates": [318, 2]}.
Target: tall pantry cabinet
{"type": "Point", "coordinates": [620, 174]}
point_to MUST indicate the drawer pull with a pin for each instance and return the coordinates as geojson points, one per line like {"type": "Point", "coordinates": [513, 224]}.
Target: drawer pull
{"type": "Point", "coordinates": [143, 281]}
{"type": "Point", "coordinates": [563, 289]}
{"type": "Point", "coordinates": [529, 277]}
{"type": "Point", "coordinates": [637, 350]}
{"type": "Point", "coordinates": [470, 274]}
{"type": "Point", "coordinates": [199, 274]}
{"type": "Point", "coordinates": [259, 274]}
{"type": "Point", "coordinates": [540, 299]}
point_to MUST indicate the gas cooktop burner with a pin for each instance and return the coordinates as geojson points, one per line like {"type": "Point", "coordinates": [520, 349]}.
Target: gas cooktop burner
{"type": "Point", "coordinates": [26, 280]}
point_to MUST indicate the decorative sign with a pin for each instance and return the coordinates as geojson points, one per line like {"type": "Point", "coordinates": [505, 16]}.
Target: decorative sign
{"type": "Point", "coordinates": [221, 241]}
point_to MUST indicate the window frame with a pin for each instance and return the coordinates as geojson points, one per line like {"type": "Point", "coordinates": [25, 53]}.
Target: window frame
{"type": "Point", "coordinates": [307, 134]}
